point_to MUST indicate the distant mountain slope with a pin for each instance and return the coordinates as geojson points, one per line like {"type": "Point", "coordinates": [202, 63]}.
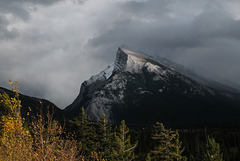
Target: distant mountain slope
{"type": "Point", "coordinates": [142, 90]}
{"type": "Point", "coordinates": [36, 105]}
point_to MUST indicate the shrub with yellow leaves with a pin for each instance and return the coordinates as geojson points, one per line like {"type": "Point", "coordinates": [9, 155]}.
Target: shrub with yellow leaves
{"type": "Point", "coordinates": [15, 140]}
{"type": "Point", "coordinates": [47, 142]}
{"type": "Point", "coordinates": [50, 141]}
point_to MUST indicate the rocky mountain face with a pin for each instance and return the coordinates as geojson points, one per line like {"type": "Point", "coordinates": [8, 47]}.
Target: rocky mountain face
{"type": "Point", "coordinates": [142, 90]}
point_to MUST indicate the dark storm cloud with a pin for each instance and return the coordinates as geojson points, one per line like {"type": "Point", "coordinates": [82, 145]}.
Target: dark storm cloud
{"type": "Point", "coordinates": [14, 7]}
{"type": "Point", "coordinates": [6, 34]}
{"type": "Point", "coordinates": [21, 2]}
{"type": "Point", "coordinates": [208, 27]}
{"type": "Point", "coordinates": [52, 46]}
{"type": "Point", "coordinates": [17, 56]}
{"type": "Point", "coordinates": [212, 36]}
{"type": "Point", "coordinates": [151, 8]}
{"type": "Point", "coordinates": [20, 8]}
{"type": "Point", "coordinates": [216, 25]}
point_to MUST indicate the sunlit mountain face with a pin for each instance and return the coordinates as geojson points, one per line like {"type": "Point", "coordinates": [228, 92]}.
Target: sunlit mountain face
{"type": "Point", "coordinates": [143, 89]}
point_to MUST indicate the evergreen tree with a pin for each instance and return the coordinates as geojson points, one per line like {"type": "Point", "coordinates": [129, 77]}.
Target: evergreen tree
{"type": "Point", "coordinates": [85, 132]}
{"type": "Point", "coordinates": [168, 148]}
{"type": "Point", "coordinates": [124, 150]}
{"type": "Point", "coordinates": [105, 141]}
{"type": "Point", "coordinates": [213, 151]}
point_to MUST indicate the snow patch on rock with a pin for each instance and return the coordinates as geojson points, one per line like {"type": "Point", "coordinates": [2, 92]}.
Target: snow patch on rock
{"type": "Point", "coordinates": [103, 75]}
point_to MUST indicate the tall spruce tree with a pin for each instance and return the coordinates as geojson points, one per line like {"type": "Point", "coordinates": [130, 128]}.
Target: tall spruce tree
{"type": "Point", "coordinates": [168, 148]}
{"type": "Point", "coordinates": [124, 150]}
{"type": "Point", "coordinates": [105, 139]}
{"type": "Point", "coordinates": [86, 132]}
{"type": "Point", "coordinates": [213, 151]}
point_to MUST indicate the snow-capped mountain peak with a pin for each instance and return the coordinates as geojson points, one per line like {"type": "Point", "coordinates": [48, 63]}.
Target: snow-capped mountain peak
{"type": "Point", "coordinates": [132, 61]}
{"type": "Point", "coordinates": [137, 85]}
{"type": "Point", "coordinates": [126, 60]}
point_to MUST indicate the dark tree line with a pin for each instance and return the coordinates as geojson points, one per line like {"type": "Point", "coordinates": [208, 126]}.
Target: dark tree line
{"type": "Point", "coordinates": [47, 139]}
{"type": "Point", "coordinates": [156, 143]}
{"type": "Point", "coordinates": [101, 138]}
{"type": "Point", "coordinates": [115, 143]}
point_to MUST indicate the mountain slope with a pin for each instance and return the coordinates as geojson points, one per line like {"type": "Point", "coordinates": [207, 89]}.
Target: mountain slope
{"type": "Point", "coordinates": [142, 90]}
{"type": "Point", "coordinates": [37, 106]}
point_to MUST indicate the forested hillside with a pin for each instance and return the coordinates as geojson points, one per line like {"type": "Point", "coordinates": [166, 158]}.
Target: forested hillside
{"type": "Point", "coordinates": [43, 138]}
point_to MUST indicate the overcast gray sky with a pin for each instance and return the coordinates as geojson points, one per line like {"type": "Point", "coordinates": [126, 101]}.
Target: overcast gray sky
{"type": "Point", "coordinates": [52, 46]}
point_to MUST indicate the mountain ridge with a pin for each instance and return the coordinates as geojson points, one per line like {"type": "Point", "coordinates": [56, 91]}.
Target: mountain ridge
{"type": "Point", "coordinates": [37, 106]}
{"type": "Point", "coordinates": [142, 89]}
{"type": "Point", "coordinates": [114, 91]}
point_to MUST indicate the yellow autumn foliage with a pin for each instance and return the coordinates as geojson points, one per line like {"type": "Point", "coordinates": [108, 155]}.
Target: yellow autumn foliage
{"type": "Point", "coordinates": [45, 141]}
{"type": "Point", "coordinates": [15, 140]}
